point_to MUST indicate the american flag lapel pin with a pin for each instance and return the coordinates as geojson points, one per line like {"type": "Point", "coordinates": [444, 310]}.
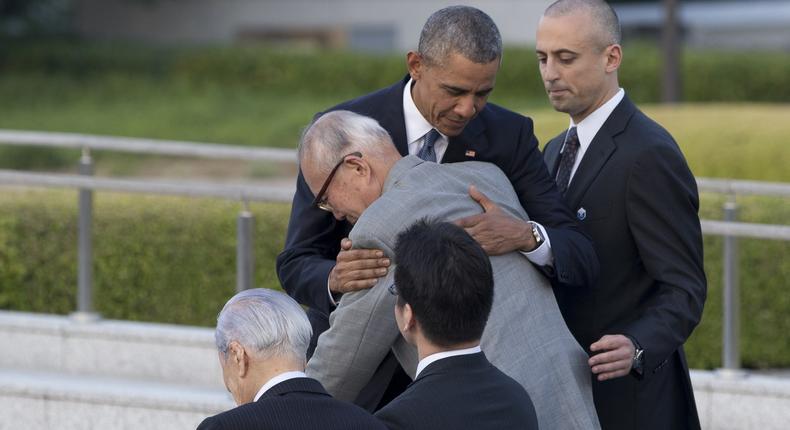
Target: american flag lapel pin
{"type": "Point", "coordinates": [470, 153]}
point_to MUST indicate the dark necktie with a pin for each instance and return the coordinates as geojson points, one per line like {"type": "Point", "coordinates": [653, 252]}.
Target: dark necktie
{"type": "Point", "coordinates": [427, 152]}
{"type": "Point", "coordinates": [567, 160]}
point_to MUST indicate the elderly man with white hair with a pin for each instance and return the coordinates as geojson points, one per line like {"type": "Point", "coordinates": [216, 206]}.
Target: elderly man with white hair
{"type": "Point", "coordinates": [262, 338]}
{"type": "Point", "coordinates": [355, 172]}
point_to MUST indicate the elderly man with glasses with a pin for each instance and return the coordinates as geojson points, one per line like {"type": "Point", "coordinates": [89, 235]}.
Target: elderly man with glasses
{"type": "Point", "coordinates": [351, 165]}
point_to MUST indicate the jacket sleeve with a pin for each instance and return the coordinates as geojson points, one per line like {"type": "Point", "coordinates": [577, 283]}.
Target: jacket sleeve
{"type": "Point", "coordinates": [311, 246]}
{"type": "Point", "coordinates": [362, 330]}
{"type": "Point", "coordinates": [575, 261]}
{"type": "Point", "coordinates": [662, 204]}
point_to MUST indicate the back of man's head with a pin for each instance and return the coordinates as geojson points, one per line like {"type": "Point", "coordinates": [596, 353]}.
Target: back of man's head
{"type": "Point", "coordinates": [266, 323]}
{"type": "Point", "coordinates": [446, 278]}
{"type": "Point", "coordinates": [460, 30]}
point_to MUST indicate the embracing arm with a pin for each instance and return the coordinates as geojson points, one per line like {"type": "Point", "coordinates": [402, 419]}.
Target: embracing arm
{"type": "Point", "coordinates": [574, 262]}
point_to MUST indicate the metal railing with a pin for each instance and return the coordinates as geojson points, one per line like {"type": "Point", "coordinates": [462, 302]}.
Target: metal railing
{"type": "Point", "coordinates": [730, 229]}
{"type": "Point", "coordinates": [87, 184]}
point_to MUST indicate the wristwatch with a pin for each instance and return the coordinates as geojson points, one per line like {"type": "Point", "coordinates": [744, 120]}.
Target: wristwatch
{"type": "Point", "coordinates": [536, 233]}
{"type": "Point", "coordinates": [638, 360]}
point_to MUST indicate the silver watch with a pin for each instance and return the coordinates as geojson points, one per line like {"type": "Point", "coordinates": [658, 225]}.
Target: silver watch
{"type": "Point", "coordinates": [537, 234]}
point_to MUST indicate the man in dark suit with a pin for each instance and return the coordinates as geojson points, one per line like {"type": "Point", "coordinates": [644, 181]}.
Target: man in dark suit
{"type": "Point", "coordinates": [262, 338]}
{"type": "Point", "coordinates": [444, 284]}
{"type": "Point", "coordinates": [439, 112]}
{"type": "Point", "coordinates": [630, 186]}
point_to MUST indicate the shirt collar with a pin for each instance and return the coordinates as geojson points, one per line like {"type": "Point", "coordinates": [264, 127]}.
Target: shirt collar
{"type": "Point", "coordinates": [425, 362]}
{"type": "Point", "coordinates": [587, 128]}
{"type": "Point", "coordinates": [276, 380]}
{"type": "Point", "coordinates": [416, 125]}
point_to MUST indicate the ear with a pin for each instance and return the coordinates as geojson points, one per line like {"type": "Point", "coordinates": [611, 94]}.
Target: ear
{"type": "Point", "coordinates": [614, 56]}
{"type": "Point", "coordinates": [359, 165]}
{"type": "Point", "coordinates": [241, 361]}
{"type": "Point", "coordinates": [415, 64]}
{"type": "Point", "coordinates": [408, 318]}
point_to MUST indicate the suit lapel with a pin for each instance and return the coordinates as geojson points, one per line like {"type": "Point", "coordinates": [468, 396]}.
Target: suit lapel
{"type": "Point", "coordinates": [600, 150]}
{"type": "Point", "coordinates": [468, 145]}
{"type": "Point", "coordinates": [392, 116]}
{"type": "Point", "coordinates": [552, 154]}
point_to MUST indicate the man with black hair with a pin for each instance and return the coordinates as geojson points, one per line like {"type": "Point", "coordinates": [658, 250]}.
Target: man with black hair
{"type": "Point", "coordinates": [445, 288]}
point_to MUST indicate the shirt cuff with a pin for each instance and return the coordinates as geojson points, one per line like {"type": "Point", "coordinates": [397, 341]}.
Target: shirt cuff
{"type": "Point", "coordinates": [542, 255]}
{"type": "Point", "coordinates": [331, 296]}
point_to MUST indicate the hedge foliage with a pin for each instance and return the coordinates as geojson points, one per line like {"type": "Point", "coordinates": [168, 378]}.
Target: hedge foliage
{"type": "Point", "coordinates": [706, 75]}
{"type": "Point", "coordinates": [173, 260]}
{"type": "Point", "coordinates": [155, 259]}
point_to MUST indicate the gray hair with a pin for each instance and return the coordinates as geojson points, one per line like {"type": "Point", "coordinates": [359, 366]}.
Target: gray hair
{"type": "Point", "coordinates": [340, 133]}
{"type": "Point", "coordinates": [601, 12]}
{"type": "Point", "coordinates": [267, 323]}
{"type": "Point", "coordinates": [463, 30]}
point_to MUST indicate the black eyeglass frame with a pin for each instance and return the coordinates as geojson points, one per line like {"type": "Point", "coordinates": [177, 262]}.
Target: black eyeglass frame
{"type": "Point", "coordinates": [318, 201]}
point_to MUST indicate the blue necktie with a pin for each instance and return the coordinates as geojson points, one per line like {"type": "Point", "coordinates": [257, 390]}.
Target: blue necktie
{"type": "Point", "coordinates": [567, 160]}
{"type": "Point", "coordinates": [427, 152]}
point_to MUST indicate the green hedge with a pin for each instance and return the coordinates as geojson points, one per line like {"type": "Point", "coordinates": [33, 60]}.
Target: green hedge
{"type": "Point", "coordinates": [156, 259]}
{"type": "Point", "coordinates": [706, 75]}
{"type": "Point", "coordinates": [173, 260]}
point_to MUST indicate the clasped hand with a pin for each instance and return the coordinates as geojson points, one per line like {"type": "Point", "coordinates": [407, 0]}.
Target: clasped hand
{"type": "Point", "coordinates": [357, 269]}
{"type": "Point", "coordinates": [496, 231]}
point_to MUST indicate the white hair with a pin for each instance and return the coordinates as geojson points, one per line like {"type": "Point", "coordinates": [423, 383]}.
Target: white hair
{"type": "Point", "coordinates": [338, 133]}
{"type": "Point", "coordinates": [267, 323]}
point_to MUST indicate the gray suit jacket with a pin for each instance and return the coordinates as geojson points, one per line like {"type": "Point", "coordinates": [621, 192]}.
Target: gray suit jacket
{"type": "Point", "coordinates": [525, 337]}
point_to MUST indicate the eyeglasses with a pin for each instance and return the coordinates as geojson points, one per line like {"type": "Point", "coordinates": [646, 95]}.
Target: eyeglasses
{"type": "Point", "coordinates": [320, 201]}
{"type": "Point", "coordinates": [393, 290]}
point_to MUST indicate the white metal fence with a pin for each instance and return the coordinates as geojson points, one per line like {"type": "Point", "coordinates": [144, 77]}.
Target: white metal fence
{"type": "Point", "coordinates": [729, 228]}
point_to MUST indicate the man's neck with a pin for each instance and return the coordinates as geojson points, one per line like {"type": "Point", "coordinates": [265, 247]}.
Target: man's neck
{"type": "Point", "coordinates": [263, 371]}
{"type": "Point", "coordinates": [605, 97]}
{"type": "Point", "coordinates": [425, 348]}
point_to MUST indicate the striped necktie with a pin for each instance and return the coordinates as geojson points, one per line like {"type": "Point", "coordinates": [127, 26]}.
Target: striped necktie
{"type": "Point", "coordinates": [567, 160]}
{"type": "Point", "coordinates": [427, 151]}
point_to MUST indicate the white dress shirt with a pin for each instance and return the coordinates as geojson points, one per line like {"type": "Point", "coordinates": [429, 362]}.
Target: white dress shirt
{"type": "Point", "coordinates": [587, 128]}
{"type": "Point", "coordinates": [444, 354]}
{"type": "Point", "coordinates": [417, 126]}
{"type": "Point", "coordinates": [276, 380]}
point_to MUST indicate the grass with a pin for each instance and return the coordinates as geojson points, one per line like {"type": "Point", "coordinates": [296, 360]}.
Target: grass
{"type": "Point", "coordinates": [744, 141]}
{"type": "Point", "coordinates": [180, 265]}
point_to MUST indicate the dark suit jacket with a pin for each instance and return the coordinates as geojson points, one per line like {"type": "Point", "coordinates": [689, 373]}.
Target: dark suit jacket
{"type": "Point", "coordinates": [300, 403]}
{"type": "Point", "coordinates": [495, 135]}
{"type": "Point", "coordinates": [639, 202]}
{"type": "Point", "coordinates": [461, 392]}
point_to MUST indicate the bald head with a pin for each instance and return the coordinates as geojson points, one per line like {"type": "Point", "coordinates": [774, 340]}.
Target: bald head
{"type": "Point", "coordinates": [604, 24]}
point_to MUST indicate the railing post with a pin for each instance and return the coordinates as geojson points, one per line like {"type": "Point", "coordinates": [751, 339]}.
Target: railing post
{"type": "Point", "coordinates": [731, 359]}
{"type": "Point", "coordinates": [245, 260]}
{"type": "Point", "coordinates": [85, 245]}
